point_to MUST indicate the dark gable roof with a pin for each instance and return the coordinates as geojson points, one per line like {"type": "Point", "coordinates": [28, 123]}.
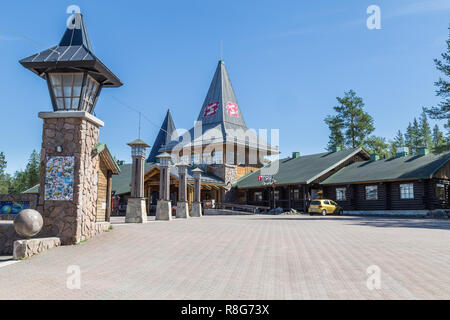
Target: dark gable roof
{"type": "Point", "coordinates": [164, 136]}
{"type": "Point", "coordinates": [402, 168]}
{"type": "Point", "coordinates": [304, 169]}
{"type": "Point", "coordinates": [121, 182]}
{"type": "Point", "coordinates": [74, 52]}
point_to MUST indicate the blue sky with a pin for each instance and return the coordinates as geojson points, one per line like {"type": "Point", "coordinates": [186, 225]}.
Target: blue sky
{"type": "Point", "coordinates": [288, 61]}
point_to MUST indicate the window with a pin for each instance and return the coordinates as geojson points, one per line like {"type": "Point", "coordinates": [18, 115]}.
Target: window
{"type": "Point", "coordinates": [371, 192]}
{"type": "Point", "coordinates": [296, 194]}
{"type": "Point", "coordinates": [90, 93]}
{"type": "Point", "coordinates": [341, 194]}
{"type": "Point", "coordinates": [440, 191]}
{"type": "Point", "coordinates": [195, 158]}
{"type": "Point", "coordinates": [276, 195]}
{"type": "Point", "coordinates": [206, 158]}
{"type": "Point", "coordinates": [316, 203]}
{"type": "Point", "coordinates": [67, 89]}
{"type": "Point", "coordinates": [218, 157]}
{"type": "Point", "coordinates": [185, 159]}
{"type": "Point", "coordinates": [258, 196]}
{"type": "Point", "coordinates": [326, 202]}
{"type": "Point", "coordinates": [407, 191]}
{"type": "Point", "coordinates": [230, 157]}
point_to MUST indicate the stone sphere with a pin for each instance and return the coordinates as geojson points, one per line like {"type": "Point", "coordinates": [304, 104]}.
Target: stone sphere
{"type": "Point", "coordinates": [28, 223]}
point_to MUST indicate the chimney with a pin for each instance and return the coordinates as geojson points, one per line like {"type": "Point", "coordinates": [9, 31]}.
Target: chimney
{"type": "Point", "coordinates": [295, 154]}
{"type": "Point", "coordinates": [374, 157]}
{"type": "Point", "coordinates": [422, 151]}
{"type": "Point", "coordinates": [335, 149]}
{"type": "Point", "coordinates": [402, 152]}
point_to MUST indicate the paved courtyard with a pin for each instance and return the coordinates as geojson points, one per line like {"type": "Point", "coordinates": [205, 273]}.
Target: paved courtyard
{"type": "Point", "coordinates": [245, 257]}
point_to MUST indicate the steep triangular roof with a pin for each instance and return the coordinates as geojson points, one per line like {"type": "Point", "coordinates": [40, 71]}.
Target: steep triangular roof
{"type": "Point", "coordinates": [166, 134]}
{"type": "Point", "coordinates": [220, 119]}
{"type": "Point", "coordinates": [76, 35]}
{"type": "Point", "coordinates": [220, 104]}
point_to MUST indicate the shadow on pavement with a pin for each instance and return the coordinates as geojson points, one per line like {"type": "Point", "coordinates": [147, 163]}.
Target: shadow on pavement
{"type": "Point", "coordinates": [379, 222]}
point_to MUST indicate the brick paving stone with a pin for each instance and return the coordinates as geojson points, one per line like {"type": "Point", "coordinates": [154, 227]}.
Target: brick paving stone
{"type": "Point", "coordinates": [245, 257]}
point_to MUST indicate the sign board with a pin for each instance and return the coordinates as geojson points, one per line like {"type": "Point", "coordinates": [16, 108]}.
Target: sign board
{"type": "Point", "coordinates": [59, 173]}
{"type": "Point", "coordinates": [266, 180]}
{"type": "Point", "coordinates": [13, 207]}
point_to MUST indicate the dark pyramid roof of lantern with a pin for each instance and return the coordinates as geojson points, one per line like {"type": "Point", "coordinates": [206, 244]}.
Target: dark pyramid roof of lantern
{"type": "Point", "coordinates": [73, 53]}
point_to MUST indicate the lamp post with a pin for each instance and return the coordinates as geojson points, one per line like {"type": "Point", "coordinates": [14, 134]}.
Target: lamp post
{"type": "Point", "coordinates": [69, 165]}
{"type": "Point", "coordinates": [164, 205]}
{"type": "Point", "coordinates": [197, 205]}
{"type": "Point", "coordinates": [136, 209]}
{"type": "Point", "coordinates": [182, 204]}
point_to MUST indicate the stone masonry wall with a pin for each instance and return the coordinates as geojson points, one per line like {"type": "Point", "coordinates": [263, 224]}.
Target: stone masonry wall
{"type": "Point", "coordinates": [7, 237]}
{"type": "Point", "coordinates": [74, 220]}
{"type": "Point", "coordinates": [228, 173]}
{"type": "Point", "coordinates": [32, 198]}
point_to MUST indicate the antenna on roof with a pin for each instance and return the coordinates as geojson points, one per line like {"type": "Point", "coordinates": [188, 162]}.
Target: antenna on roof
{"type": "Point", "coordinates": [221, 50]}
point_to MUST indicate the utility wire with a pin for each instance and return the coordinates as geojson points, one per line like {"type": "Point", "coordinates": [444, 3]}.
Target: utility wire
{"type": "Point", "coordinates": [117, 100]}
{"type": "Point", "coordinates": [26, 38]}
{"type": "Point", "coordinates": [137, 111]}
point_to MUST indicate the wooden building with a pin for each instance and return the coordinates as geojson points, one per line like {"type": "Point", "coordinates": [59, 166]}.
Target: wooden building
{"type": "Point", "coordinates": [297, 180]}
{"type": "Point", "coordinates": [417, 182]}
{"type": "Point", "coordinates": [355, 181]}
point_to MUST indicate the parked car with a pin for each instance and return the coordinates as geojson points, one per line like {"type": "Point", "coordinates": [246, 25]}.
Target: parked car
{"type": "Point", "coordinates": [324, 207]}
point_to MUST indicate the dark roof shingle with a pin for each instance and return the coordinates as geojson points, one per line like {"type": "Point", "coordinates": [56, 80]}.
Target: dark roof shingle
{"type": "Point", "coordinates": [402, 168]}
{"type": "Point", "coordinates": [301, 170]}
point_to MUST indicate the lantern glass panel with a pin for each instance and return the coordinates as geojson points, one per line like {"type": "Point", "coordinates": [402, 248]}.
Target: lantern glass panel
{"type": "Point", "coordinates": [66, 89]}
{"type": "Point", "coordinates": [90, 94]}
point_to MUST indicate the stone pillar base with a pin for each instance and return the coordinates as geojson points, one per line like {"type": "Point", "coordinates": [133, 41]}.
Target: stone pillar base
{"type": "Point", "coordinates": [163, 210]}
{"type": "Point", "coordinates": [196, 209]}
{"type": "Point", "coordinates": [136, 211]}
{"type": "Point", "coordinates": [31, 247]}
{"type": "Point", "coordinates": [182, 209]}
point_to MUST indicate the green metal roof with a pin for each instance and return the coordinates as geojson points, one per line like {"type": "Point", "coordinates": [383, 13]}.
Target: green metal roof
{"type": "Point", "coordinates": [303, 169]}
{"type": "Point", "coordinates": [103, 147]}
{"type": "Point", "coordinates": [34, 189]}
{"type": "Point", "coordinates": [403, 168]}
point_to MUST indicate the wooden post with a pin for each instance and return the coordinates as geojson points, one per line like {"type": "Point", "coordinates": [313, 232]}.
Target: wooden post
{"type": "Point", "coordinates": [108, 196]}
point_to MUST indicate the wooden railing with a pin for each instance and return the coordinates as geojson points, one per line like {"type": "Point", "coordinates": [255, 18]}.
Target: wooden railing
{"type": "Point", "coordinates": [234, 206]}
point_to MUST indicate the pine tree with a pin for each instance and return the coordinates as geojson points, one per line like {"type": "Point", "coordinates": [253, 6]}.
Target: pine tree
{"type": "Point", "coordinates": [25, 179]}
{"type": "Point", "coordinates": [438, 139]}
{"type": "Point", "coordinates": [412, 136]}
{"type": "Point", "coordinates": [399, 139]}
{"type": "Point", "coordinates": [442, 111]}
{"type": "Point", "coordinates": [377, 145]}
{"type": "Point", "coordinates": [353, 122]}
{"type": "Point", "coordinates": [336, 137]}
{"type": "Point", "coordinates": [424, 138]}
{"type": "Point", "coordinates": [4, 178]}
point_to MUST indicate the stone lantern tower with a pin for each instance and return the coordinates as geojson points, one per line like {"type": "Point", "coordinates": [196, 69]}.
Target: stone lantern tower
{"type": "Point", "coordinates": [136, 210]}
{"type": "Point", "coordinates": [164, 205]}
{"type": "Point", "coordinates": [69, 165]}
{"type": "Point", "coordinates": [197, 204]}
{"type": "Point", "coordinates": [182, 204]}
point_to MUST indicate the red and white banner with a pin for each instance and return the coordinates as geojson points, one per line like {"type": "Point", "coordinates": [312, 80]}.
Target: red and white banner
{"type": "Point", "coordinates": [211, 109]}
{"type": "Point", "coordinates": [232, 109]}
